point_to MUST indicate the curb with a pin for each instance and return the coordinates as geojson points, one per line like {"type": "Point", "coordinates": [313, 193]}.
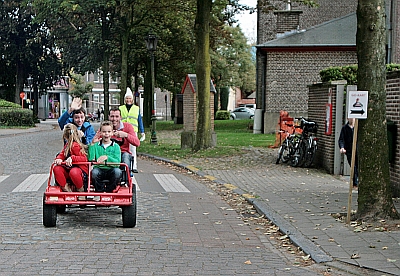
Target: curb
{"type": "Point", "coordinates": [317, 254]}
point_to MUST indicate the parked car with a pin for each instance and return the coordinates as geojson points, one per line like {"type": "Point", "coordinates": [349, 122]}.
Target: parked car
{"type": "Point", "coordinates": [252, 106]}
{"type": "Point", "coordinates": [242, 113]}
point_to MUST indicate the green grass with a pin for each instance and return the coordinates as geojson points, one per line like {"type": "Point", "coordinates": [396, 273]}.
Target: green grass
{"type": "Point", "coordinates": [232, 137]}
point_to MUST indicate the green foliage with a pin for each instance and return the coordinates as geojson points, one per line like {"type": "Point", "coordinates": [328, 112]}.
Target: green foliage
{"type": "Point", "coordinates": [28, 48]}
{"type": "Point", "coordinates": [222, 115]}
{"type": "Point", "coordinates": [348, 73]}
{"type": "Point", "coordinates": [232, 61]}
{"type": "Point", "coordinates": [391, 67]}
{"type": "Point", "coordinates": [12, 114]}
{"type": "Point", "coordinates": [79, 88]}
{"type": "Point", "coordinates": [232, 137]}
{"type": "Point", "coordinates": [331, 74]}
{"type": "Point", "coordinates": [7, 104]}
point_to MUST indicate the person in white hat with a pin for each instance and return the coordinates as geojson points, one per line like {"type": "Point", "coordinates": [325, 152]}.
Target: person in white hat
{"type": "Point", "coordinates": [130, 113]}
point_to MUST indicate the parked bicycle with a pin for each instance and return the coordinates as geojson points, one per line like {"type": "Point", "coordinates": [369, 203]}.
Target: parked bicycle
{"type": "Point", "coordinates": [309, 142]}
{"type": "Point", "coordinates": [299, 149]}
{"type": "Point", "coordinates": [289, 146]}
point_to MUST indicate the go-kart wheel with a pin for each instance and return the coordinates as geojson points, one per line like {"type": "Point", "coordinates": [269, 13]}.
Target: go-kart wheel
{"type": "Point", "coordinates": [61, 209]}
{"type": "Point", "coordinates": [129, 214]}
{"type": "Point", "coordinates": [49, 214]}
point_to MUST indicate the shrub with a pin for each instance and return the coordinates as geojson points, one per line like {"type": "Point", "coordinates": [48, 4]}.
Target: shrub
{"type": "Point", "coordinates": [222, 115]}
{"type": "Point", "coordinates": [7, 104]}
{"type": "Point", "coordinates": [12, 114]}
{"type": "Point", "coordinates": [331, 74]}
{"type": "Point", "coordinates": [392, 67]}
{"type": "Point", "coordinates": [349, 73]}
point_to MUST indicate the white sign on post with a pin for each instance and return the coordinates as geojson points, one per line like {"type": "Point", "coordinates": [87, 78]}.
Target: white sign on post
{"type": "Point", "coordinates": [358, 104]}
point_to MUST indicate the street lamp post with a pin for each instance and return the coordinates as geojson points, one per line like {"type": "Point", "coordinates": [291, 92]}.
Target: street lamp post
{"type": "Point", "coordinates": [31, 83]}
{"type": "Point", "coordinates": [151, 43]}
{"type": "Point", "coordinates": [166, 107]}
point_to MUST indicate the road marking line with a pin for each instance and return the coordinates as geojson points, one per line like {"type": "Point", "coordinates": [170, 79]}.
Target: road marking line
{"type": "Point", "coordinates": [32, 183]}
{"type": "Point", "coordinates": [170, 183]}
{"type": "Point", "coordinates": [3, 177]}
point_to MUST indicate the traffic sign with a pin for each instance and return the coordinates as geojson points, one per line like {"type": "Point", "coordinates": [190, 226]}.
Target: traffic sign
{"type": "Point", "coordinates": [357, 104]}
{"type": "Point", "coordinates": [22, 95]}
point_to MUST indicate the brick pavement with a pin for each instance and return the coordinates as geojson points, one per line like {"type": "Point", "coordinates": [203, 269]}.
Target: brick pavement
{"type": "Point", "coordinates": [300, 201]}
{"type": "Point", "coordinates": [176, 234]}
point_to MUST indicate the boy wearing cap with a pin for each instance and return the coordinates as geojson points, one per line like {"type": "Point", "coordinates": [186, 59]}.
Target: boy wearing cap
{"type": "Point", "coordinates": [130, 113]}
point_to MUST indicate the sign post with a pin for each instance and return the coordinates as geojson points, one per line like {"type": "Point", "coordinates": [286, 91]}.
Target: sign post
{"type": "Point", "coordinates": [22, 96]}
{"type": "Point", "coordinates": [357, 109]}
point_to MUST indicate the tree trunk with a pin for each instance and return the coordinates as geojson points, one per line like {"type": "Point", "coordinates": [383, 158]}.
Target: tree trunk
{"type": "Point", "coordinates": [124, 65]}
{"type": "Point", "coordinates": [106, 84]}
{"type": "Point", "coordinates": [105, 35]}
{"type": "Point", "coordinates": [126, 15]}
{"type": "Point", "coordinates": [203, 71]}
{"type": "Point", "coordinates": [374, 194]}
{"type": "Point", "coordinates": [19, 87]}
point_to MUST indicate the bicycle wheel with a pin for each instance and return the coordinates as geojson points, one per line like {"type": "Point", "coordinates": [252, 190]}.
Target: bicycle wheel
{"type": "Point", "coordinates": [310, 155]}
{"type": "Point", "coordinates": [281, 152]}
{"type": "Point", "coordinates": [295, 154]}
{"type": "Point", "coordinates": [286, 152]}
{"type": "Point", "coordinates": [302, 153]}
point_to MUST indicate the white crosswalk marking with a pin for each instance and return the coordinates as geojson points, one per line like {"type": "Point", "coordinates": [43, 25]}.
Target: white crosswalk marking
{"type": "Point", "coordinates": [3, 177]}
{"type": "Point", "coordinates": [32, 183]}
{"type": "Point", "coordinates": [170, 183]}
{"type": "Point", "coordinates": [35, 181]}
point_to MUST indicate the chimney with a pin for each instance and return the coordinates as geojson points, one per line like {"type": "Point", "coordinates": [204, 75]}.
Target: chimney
{"type": "Point", "coordinates": [288, 20]}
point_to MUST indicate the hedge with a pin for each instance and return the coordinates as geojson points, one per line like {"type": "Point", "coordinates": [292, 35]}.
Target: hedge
{"type": "Point", "coordinates": [348, 73]}
{"type": "Point", "coordinates": [11, 114]}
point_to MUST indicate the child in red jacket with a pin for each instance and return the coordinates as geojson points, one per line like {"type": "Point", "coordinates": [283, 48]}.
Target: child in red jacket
{"type": "Point", "coordinates": [74, 151]}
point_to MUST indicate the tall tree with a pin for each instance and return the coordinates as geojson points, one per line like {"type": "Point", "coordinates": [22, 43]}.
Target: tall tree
{"type": "Point", "coordinates": [27, 49]}
{"type": "Point", "coordinates": [86, 34]}
{"type": "Point", "coordinates": [203, 72]}
{"type": "Point", "coordinates": [232, 61]}
{"type": "Point", "coordinates": [374, 195]}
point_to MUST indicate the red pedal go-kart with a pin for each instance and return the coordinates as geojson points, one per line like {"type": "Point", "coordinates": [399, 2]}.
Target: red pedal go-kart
{"type": "Point", "coordinates": [124, 196]}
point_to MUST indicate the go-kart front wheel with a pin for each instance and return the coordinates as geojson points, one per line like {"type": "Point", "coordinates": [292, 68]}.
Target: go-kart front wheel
{"type": "Point", "coordinates": [49, 214]}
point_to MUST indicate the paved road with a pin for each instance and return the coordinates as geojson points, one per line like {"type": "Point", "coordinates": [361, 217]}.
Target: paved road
{"type": "Point", "coordinates": [186, 231]}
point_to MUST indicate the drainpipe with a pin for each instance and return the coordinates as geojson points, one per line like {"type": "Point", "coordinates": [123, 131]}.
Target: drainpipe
{"type": "Point", "coordinates": [260, 95]}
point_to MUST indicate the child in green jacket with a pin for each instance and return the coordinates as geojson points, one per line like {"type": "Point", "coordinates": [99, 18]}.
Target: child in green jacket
{"type": "Point", "coordinates": [104, 150]}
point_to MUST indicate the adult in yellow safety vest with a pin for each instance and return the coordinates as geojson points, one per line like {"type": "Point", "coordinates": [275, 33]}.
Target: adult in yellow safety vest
{"type": "Point", "coordinates": [130, 113]}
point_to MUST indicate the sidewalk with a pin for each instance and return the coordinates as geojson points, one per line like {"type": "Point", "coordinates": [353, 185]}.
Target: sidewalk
{"type": "Point", "coordinates": [42, 126]}
{"type": "Point", "coordinates": [300, 201]}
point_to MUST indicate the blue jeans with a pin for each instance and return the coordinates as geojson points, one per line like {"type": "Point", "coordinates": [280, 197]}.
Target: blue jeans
{"type": "Point", "coordinates": [113, 175]}
{"type": "Point", "coordinates": [355, 177]}
{"type": "Point", "coordinates": [126, 158]}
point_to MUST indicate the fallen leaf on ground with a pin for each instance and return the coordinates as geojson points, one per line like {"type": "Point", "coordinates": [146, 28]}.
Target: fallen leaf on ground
{"type": "Point", "coordinates": [355, 256]}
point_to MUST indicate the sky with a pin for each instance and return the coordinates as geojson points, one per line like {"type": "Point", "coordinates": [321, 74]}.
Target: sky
{"type": "Point", "coordinates": [248, 22]}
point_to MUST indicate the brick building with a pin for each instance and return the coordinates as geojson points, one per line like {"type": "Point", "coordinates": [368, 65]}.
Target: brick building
{"type": "Point", "coordinates": [295, 42]}
{"type": "Point", "coordinates": [187, 106]}
{"type": "Point", "coordinates": [328, 156]}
